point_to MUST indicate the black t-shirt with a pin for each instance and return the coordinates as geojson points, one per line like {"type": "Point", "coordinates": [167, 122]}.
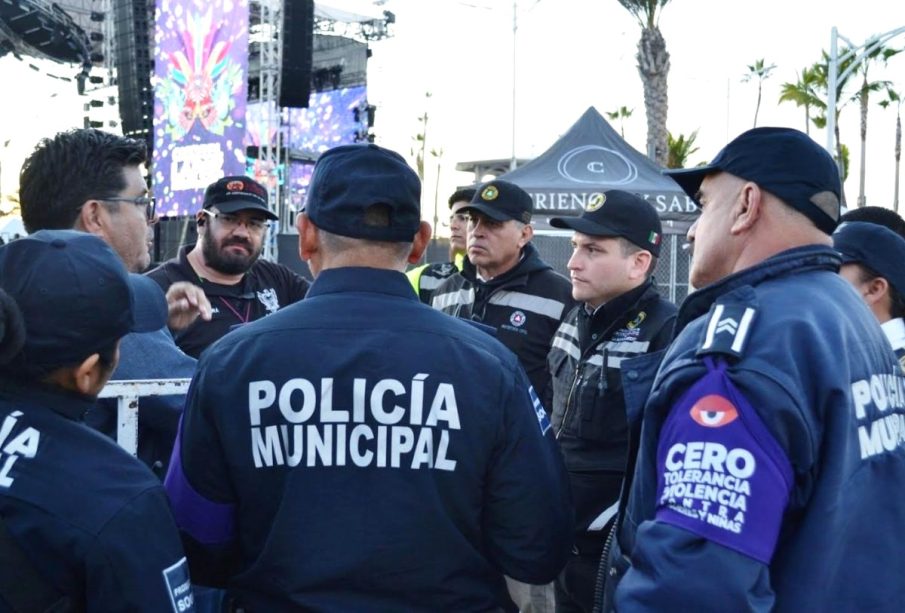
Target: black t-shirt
{"type": "Point", "coordinates": [264, 289]}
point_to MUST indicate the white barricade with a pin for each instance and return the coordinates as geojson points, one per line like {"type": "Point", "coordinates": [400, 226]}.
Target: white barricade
{"type": "Point", "coordinates": [127, 393]}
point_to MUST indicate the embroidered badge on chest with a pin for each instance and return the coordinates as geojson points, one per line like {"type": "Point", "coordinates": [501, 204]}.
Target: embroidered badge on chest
{"type": "Point", "coordinates": [517, 319]}
{"type": "Point", "coordinates": [268, 297]}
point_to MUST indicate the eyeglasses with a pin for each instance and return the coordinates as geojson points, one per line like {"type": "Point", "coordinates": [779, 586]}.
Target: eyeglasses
{"type": "Point", "coordinates": [149, 203]}
{"type": "Point", "coordinates": [231, 222]}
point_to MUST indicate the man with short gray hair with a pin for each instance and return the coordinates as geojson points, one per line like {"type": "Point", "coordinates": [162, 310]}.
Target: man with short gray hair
{"type": "Point", "coordinates": [505, 284]}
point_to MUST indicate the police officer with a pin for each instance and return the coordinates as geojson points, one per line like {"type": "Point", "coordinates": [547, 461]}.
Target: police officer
{"type": "Point", "coordinates": [83, 525]}
{"type": "Point", "coordinates": [872, 261]}
{"type": "Point", "coordinates": [615, 248]}
{"type": "Point", "coordinates": [426, 278]}
{"type": "Point", "coordinates": [226, 263]}
{"type": "Point", "coordinates": [358, 450]}
{"type": "Point", "coordinates": [878, 215]}
{"type": "Point", "coordinates": [768, 445]}
{"type": "Point", "coordinates": [505, 284]}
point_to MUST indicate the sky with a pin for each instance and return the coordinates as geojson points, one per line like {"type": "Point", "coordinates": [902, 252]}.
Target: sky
{"type": "Point", "coordinates": [569, 55]}
{"type": "Point", "coordinates": [572, 54]}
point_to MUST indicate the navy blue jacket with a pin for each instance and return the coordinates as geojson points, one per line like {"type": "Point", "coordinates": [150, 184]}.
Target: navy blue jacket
{"type": "Point", "coordinates": [771, 451]}
{"type": "Point", "coordinates": [92, 520]}
{"type": "Point", "coordinates": [361, 451]}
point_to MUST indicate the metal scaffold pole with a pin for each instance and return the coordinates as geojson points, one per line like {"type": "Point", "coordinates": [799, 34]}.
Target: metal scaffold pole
{"type": "Point", "coordinates": [271, 63]}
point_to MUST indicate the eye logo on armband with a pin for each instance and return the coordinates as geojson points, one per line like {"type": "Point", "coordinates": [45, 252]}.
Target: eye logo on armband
{"type": "Point", "coordinates": [713, 411]}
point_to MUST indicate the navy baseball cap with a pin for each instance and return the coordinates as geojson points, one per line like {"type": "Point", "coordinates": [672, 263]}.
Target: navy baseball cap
{"type": "Point", "coordinates": [874, 246]}
{"type": "Point", "coordinates": [238, 193]}
{"type": "Point", "coordinates": [76, 296]}
{"type": "Point", "coordinates": [785, 162]}
{"type": "Point", "coordinates": [618, 213]}
{"type": "Point", "coordinates": [501, 201]}
{"type": "Point", "coordinates": [350, 179]}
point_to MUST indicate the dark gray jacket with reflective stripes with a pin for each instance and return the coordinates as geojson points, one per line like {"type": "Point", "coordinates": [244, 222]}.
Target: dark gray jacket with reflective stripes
{"type": "Point", "coordinates": [525, 306]}
{"type": "Point", "coordinates": [588, 406]}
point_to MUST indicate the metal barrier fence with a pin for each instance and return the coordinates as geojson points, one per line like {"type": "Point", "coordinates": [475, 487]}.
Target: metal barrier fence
{"type": "Point", "coordinates": [127, 394]}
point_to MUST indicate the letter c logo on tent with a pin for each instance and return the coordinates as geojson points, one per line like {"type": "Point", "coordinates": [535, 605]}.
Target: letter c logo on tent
{"type": "Point", "coordinates": [713, 411]}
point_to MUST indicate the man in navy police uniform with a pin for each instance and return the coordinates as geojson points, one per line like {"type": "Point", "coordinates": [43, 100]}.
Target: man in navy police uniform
{"type": "Point", "coordinates": [873, 261]}
{"type": "Point", "coordinates": [359, 450]}
{"type": "Point", "coordinates": [772, 434]}
{"type": "Point", "coordinates": [83, 525]}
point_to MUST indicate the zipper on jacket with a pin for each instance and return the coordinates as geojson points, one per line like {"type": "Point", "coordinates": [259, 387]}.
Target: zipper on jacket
{"type": "Point", "coordinates": [565, 415]}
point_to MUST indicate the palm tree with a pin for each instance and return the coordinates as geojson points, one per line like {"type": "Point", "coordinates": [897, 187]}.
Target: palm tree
{"type": "Point", "coordinates": [760, 71]}
{"type": "Point", "coordinates": [893, 97]}
{"type": "Point", "coordinates": [653, 66]}
{"type": "Point", "coordinates": [821, 88]}
{"type": "Point", "coordinates": [880, 54]}
{"type": "Point", "coordinates": [680, 149]}
{"type": "Point", "coordinates": [419, 146]}
{"type": "Point", "coordinates": [622, 113]}
{"type": "Point", "coordinates": [802, 93]}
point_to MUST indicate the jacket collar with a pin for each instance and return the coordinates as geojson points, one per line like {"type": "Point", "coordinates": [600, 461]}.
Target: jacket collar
{"type": "Point", "coordinates": [360, 279]}
{"type": "Point", "coordinates": [617, 308]}
{"type": "Point", "coordinates": [797, 260]}
{"type": "Point", "coordinates": [71, 405]}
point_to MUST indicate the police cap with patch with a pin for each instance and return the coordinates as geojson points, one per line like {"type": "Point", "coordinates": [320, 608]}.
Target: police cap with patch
{"type": "Point", "coordinates": [75, 296]}
{"type": "Point", "coordinates": [501, 201]}
{"type": "Point", "coordinates": [234, 194]}
{"type": "Point", "coordinates": [618, 213]}
{"type": "Point", "coordinates": [348, 182]}
{"type": "Point", "coordinates": [785, 162]}
{"type": "Point", "coordinates": [873, 246]}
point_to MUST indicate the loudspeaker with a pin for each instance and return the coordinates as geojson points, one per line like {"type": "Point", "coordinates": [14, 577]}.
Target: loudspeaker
{"type": "Point", "coordinates": [297, 40]}
{"type": "Point", "coordinates": [133, 20]}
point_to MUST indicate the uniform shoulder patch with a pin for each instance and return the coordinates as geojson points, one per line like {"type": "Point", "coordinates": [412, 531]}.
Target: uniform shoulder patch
{"type": "Point", "coordinates": [542, 420]}
{"type": "Point", "coordinates": [179, 586]}
{"type": "Point", "coordinates": [727, 329]}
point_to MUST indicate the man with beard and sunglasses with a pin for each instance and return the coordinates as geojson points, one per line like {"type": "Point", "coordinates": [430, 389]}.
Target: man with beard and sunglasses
{"type": "Point", "coordinates": [226, 264]}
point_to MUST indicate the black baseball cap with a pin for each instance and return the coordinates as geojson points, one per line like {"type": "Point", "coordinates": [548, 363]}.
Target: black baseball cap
{"type": "Point", "coordinates": [350, 179]}
{"type": "Point", "coordinates": [501, 201]}
{"type": "Point", "coordinates": [785, 162]}
{"type": "Point", "coordinates": [618, 213]}
{"type": "Point", "coordinates": [76, 296]}
{"type": "Point", "coordinates": [874, 246]}
{"type": "Point", "coordinates": [238, 193]}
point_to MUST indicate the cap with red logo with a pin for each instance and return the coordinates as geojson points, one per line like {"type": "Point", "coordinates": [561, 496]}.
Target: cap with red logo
{"type": "Point", "coordinates": [234, 194]}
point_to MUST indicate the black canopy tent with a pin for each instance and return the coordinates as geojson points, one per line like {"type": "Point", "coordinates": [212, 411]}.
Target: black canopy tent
{"type": "Point", "coordinates": [592, 158]}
